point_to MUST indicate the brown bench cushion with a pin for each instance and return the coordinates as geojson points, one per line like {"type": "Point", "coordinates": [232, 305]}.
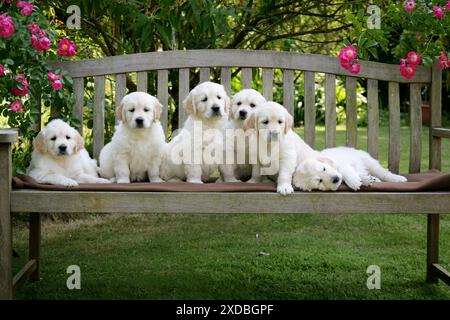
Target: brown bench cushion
{"type": "Point", "coordinates": [427, 181]}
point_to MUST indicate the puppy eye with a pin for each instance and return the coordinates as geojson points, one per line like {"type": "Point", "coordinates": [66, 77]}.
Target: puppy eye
{"type": "Point", "coordinates": [252, 105]}
{"type": "Point", "coordinates": [67, 137]}
{"type": "Point", "coordinates": [131, 110]}
{"type": "Point", "coordinates": [53, 138]}
{"type": "Point", "coordinates": [265, 122]}
{"type": "Point", "coordinates": [320, 180]}
{"type": "Point", "coordinates": [146, 109]}
{"type": "Point", "coordinates": [280, 121]}
{"type": "Point", "coordinates": [219, 97]}
{"type": "Point", "coordinates": [324, 169]}
{"type": "Point", "coordinates": [239, 103]}
{"type": "Point", "coordinates": [204, 99]}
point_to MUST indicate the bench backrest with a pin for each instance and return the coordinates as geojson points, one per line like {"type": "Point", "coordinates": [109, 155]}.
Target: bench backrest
{"type": "Point", "coordinates": [202, 61]}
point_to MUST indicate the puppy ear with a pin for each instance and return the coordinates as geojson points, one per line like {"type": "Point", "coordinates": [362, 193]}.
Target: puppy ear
{"type": "Point", "coordinates": [301, 179]}
{"type": "Point", "coordinates": [119, 112]}
{"type": "Point", "coordinates": [79, 141]}
{"type": "Point", "coordinates": [157, 108]}
{"type": "Point", "coordinates": [250, 122]}
{"type": "Point", "coordinates": [188, 104]}
{"type": "Point", "coordinates": [327, 161]}
{"type": "Point", "coordinates": [289, 122]}
{"type": "Point", "coordinates": [39, 143]}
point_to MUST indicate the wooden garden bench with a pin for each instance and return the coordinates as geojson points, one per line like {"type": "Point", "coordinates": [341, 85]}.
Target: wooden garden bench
{"type": "Point", "coordinates": [186, 63]}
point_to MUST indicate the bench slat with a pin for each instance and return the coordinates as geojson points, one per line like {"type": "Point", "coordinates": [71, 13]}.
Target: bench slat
{"type": "Point", "coordinates": [205, 75]}
{"type": "Point", "coordinates": [78, 92]}
{"type": "Point", "coordinates": [142, 81]}
{"type": "Point", "coordinates": [121, 87]}
{"type": "Point", "coordinates": [394, 127]}
{"type": "Point", "coordinates": [183, 91]}
{"type": "Point", "coordinates": [351, 111]}
{"type": "Point", "coordinates": [225, 80]}
{"type": "Point", "coordinates": [310, 109]}
{"type": "Point", "coordinates": [415, 150]}
{"type": "Point", "coordinates": [330, 110]}
{"type": "Point", "coordinates": [246, 74]}
{"type": "Point", "coordinates": [288, 90]}
{"type": "Point", "coordinates": [267, 83]}
{"type": "Point", "coordinates": [163, 96]}
{"type": "Point", "coordinates": [435, 117]}
{"type": "Point", "coordinates": [372, 117]}
{"type": "Point", "coordinates": [99, 115]}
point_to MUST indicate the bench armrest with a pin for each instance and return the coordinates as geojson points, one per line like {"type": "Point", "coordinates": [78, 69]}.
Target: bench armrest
{"type": "Point", "coordinates": [8, 135]}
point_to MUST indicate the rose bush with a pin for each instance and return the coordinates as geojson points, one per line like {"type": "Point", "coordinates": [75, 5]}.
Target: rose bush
{"type": "Point", "coordinates": [28, 85]}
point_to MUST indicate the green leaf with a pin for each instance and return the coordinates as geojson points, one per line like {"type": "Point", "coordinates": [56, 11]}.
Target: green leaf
{"type": "Point", "coordinates": [8, 61]}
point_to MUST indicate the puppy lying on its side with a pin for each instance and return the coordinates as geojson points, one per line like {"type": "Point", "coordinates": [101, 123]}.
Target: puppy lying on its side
{"type": "Point", "coordinates": [333, 166]}
{"type": "Point", "coordinates": [59, 157]}
{"type": "Point", "coordinates": [135, 151]}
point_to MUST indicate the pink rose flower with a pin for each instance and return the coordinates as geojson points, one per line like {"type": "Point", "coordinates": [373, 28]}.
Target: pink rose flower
{"type": "Point", "coordinates": [42, 33]}
{"type": "Point", "coordinates": [413, 58]}
{"type": "Point", "coordinates": [443, 62]}
{"type": "Point", "coordinates": [27, 8]}
{"type": "Point", "coordinates": [44, 43]}
{"type": "Point", "coordinates": [403, 62]}
{"type": "Point", "coordinates": [6, 26]}
{"type": "Point", "coordinates": [2, 70]}
{"type": "Point", "coordinates": [447, 6]}
{"type": "Point", "coordinates": [40, 43]}
{"type": "Point", "coordinates": [407, 71]}
{"type": "Point", "coordinates": [9, 1]}
{"type": "Point", "coordinates": [355, 67]}
{"type": "Point", "coordinates": [438, 12]}
{"type": "Point", "coordinates": [409, 5]}
{"type": "Point", "coordinates": [348, 53]}
{"type": "Point", "coordinates": [56, 85]}
{"type": "Point", "coordinates": [16, 106]}
{"type": "Point", "coordinates": [22, 80]}
{"type": "Point", "coordinates": [66, 48]}
{"type": "Point", "coordinates": [34, 28]}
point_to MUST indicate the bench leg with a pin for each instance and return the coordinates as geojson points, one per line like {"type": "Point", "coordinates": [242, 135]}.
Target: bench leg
{"type": "Point", "coordinates": [35, 243]}
{"type": "Point", "coordinates": [432, 246]}
{"type": "Point", "coordinates": [6, 285]}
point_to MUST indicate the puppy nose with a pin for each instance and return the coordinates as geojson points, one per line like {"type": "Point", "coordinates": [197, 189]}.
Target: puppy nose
{"type": "Point", "coordinates": [242, 113]}
{"type": "Point", "coordinates": [215, 108]}
{"type": "Point", "coordinates": [274, 133]}
{"type": "Point", "coordinates": [336, 179]}
{"type": "Point", "coordinates": [62, 147]}
{"type": "Point", "coordinates": [139, 120]}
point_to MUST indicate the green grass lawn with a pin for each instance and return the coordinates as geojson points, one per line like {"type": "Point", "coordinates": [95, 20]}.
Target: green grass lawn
{"type": "Point", "coordinates": [249, 256]}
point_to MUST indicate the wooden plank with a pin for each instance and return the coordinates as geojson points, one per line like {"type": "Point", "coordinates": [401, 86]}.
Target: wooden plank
{"type": "Point", "coordinates": [441, 273]}
{"type": "Point", "coordinates": [435, 117]}
{"type": "Point", "coordinates": [78, 93]}
{"type": "Point", "coordinates": [6, 284]}
{"type": "Point", "coordinates": [441, 132]}
{"type": "Point", "coordinates": [34, 242]}
{"type": "Point", "coordinates": [121, 87]}
{"type": "Point", "coordinates": [373, 118]}
{"type": "Point", "coordinates": [246, 74]}
{"type": "Point", "coordinates": [8, 135]}
{"type": "Point", "coordinates": [99, 115]}
{"type": "Point", "coordinates": [21, 277]}
{"type": "Point", "coordinates": [310, 109]}
{"type": "Point", "coordinates": [351, 111]}
{"type": "Point", "coordinates": [288, 90]}
{"type": "Point", "coordinates": [163, 96]}
{"type": "Point", "coordinates": [142, 81]}
{"type": "Point", "coordinates": [231, 202]}
{"type": "Point", "coordinates": [231, 58]}
{"type": "Point", "coordinates": [225, 80]}
{"type": "Point", "coordinates": [205, 75]}
{"type": "Point", "coordinates": [394, 127]}
{"type": "Point", "coordinates": [330, 110]}
{"type": "Point", "coordinates": [183, 91]}
{"type": "Point", "coordinates": [432, 245]}
{"type": "Point", "coordinates": [415, 149]}
{"type": "Point", "coordinates": [267, 83]}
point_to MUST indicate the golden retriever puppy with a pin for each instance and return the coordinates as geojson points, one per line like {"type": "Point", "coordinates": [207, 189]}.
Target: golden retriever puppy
{"type": "Point", "coordinates": [59, 157]}
{"type": "Point", "coordinates": [136, 148]}
{"type": "Point", "coordinates": [332, 166]}
{"type": "Point", "coordinates": [243, 104]}
{"type": "Point", "coordinates": [197, 151]}
{"type": "Point", "coordinates": [279, 148]}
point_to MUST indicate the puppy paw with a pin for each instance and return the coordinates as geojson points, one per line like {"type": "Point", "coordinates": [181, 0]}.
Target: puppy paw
{"type": "Point", "coordinates": [198, 181]}
{"type": "Point", "coordinates": [397, 178]}
{"type": "Point", "coordinates": [156, 180]}
{"type": "Point", "coordinates": [101, 180]}
{"type": "Point", "coordinates": [232, 179]}
{"type": "Point", "coordinates": [285, 189]}
{"type": "Point", "coordinates": [254, 180]}
{"type": "Point", "coordinates": [69, 183]}
{"type": "Point", "coordinates": [353, 183]}
{"type": "Point", "coordinates": [368, 180]}
{"type": "Point", "coordinates": [123, 180]}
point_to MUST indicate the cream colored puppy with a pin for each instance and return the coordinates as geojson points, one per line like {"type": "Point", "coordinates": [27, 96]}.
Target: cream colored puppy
{"type": "Point", "coordinates": [243, 104]}
{"type": "Point", "coordinates": [59, 157]}
{"type": "Point", "coordinates": [188, 156]}
{"type": "Point", "coordinates": [273, 126]}
{"type": "Point", "coordinates": [136, 148]}
{"type": "Point", "coordinates": [331, 167]}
